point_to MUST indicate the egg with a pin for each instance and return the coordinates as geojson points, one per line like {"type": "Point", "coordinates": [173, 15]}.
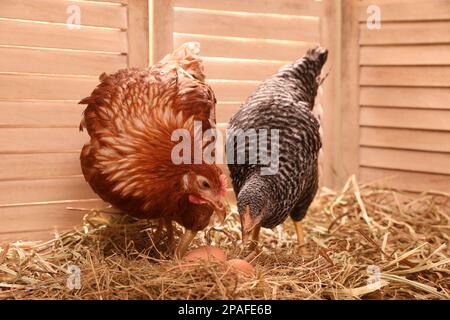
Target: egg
{"type": "Point", "coordinates": [206, 253]}
{"type": "Point", "coordinates": [241, 266]}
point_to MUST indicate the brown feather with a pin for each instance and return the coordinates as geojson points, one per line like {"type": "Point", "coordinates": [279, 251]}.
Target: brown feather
{"type": "Point", "coordinates": [130, 117]}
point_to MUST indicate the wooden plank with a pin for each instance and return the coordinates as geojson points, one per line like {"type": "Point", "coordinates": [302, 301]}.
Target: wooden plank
{"type": "Point", "coordinates": [405, 55]}
{"type": "Point", "coordinates": [289, 7]}
{"type": "Point", "coordinates": [404, 180]}
{"type": "Point", "coordinates": [19, 33]}
{"type": "Point", "coordinates": [224, 111]}
{"type": "Point", "coordinates": [438, 141]}
{"type": "Point", "coordinates": [408, 10]}
{"type": "Point", "coordinates": [37, 218]}
{"type": "Point", "coordinates": [19, 86]}
{"type": "Point", "coordinates": [138, 33]}
{"type": "Point", "coordinates": [406, 118]}
{"type": "Point", "coordinates": [432, 76]}
{"type": "Point", "coordinates": [433, 98]}
{"type": "Point", "coordinates": [232, 90]}
{"type": "Point", "coordinates": [59, 62]}
{"type": "Point", "coordinates": [431, 162]}
{"type": "Point", "coordinates": [31, 235]}
{"type": "Point", "coordinates": [329, 159]}
{"type": "Point", "coordinates": [26, 191]}
{"type": "Point", "coordinates": [40, 113]}
{"type": "Point", "coordinates": [349, 93]}
{"type": "Point", "coordinates": [231, 69]}
{"type": "Point", "coordinates": [161, 42]}
{"type": "Point", "coordinates": [245, 25]}
{"type": "Point", "coordinates": [39, 166]}
{"type": "Point", "coordinates": [245, 48]}
{"type": "Point", "coordinates": [124, 2]}
{"type": "Point", "coordinates": [406, 33]}
{"type": "Point", "coordinates": [91, 13]}
{"type": "Point", "coordinates": [26, 140]}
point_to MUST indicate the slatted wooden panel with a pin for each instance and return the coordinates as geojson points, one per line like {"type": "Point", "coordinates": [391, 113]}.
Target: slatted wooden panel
{"type": "Point", "coordinates": [45, 69]}
{"type": "Point", "coordinates": [404, 92]}
{"type": "Point", "coordinates": [244, 41]}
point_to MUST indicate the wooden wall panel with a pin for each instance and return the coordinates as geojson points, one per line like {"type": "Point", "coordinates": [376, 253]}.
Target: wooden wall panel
{"type": "Point", "coordinates": [17, 223]}
{"type": "Point", "coordinates": [43, 190]}
{"type": "Point", "coordinates": [289, 7]}
{"type": "Point", "coordinates": [232, 69]}
{"type": "Point", "coordinates": [45, 69]}
{"type": "Point", "coordinates": [406, 33]}
{"type": "Point", "coordinates": [232, 90]}
{"type": "Point", "coordinates": [404, 93]}
{"type": "Point", "coordinates": [26, 140]}
{"type": "Point", "coordinates": [348, 138]}
{"type": "Point", "coordinates": [405, 118]}
{"type": "Point", "coordinates": [40, 113]}
{"type": "Point", "coordinates": [434, 54]}
{"type": "Point", "coordinates": [419, 161]}
{"type": "Point", "coordinates": [39, 165]}
{"type": "Point", "coordinates": [225, 110]}
{"type": "Point", "coordinates": [28, 86]}
{"type": "Point", "coordinates": [138, 34]}
{"type": "Point", "coordinates": [330, 99]}
{"type": "Point", "coordinates": [405, 139]}
{"type": "Point", "coordinates": [31, 34]}
{"type": "Point", "coordinates": [59, 62]}
{"type": "Point", "coordinates": [408, 10]}
{"type": "Point", "coordinates": [423, 76]}
{"type": "Point", "coordinates": [92, 13]}
{"type": "Point", "coordinates": [245, 48]}
{"type": "Point", "coordinates": [406, 180]}
{"type": "Point", "coordinates": [249, 26]}
{"type": "Point", "coordinates": [405, 97]}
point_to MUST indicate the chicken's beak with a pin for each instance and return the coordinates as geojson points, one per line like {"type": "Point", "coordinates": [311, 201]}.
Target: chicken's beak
{"type": "Point", "coordinates": [248, 223]}
{"type": "Point", "coordinates": [219, 207]}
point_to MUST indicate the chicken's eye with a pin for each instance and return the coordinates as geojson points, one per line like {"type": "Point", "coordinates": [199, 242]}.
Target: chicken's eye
{"type": "Point", "coordinates": [205, 184]}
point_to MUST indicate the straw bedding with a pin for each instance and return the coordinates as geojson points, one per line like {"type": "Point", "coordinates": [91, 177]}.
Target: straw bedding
{"type": "Point", "coordinates": [364, 242]}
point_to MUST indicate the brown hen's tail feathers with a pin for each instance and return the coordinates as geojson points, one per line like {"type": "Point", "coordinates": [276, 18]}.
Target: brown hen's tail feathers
{"type": "Point", "coordinates": [187, 57]}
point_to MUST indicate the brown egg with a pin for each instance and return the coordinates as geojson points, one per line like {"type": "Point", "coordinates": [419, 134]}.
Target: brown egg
{"type": "Point", "coordinates": [206, 253]}
{"type": "Point", "coordinates": [241, 266]}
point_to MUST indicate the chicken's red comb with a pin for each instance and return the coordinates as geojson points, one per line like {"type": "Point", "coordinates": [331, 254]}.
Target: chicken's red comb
{"type": "Point", "coordinates": [223, 185]}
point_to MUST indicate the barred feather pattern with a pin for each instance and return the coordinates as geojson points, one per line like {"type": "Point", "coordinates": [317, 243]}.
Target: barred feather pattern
{"type": "Point", "coordinates": [284, 102]}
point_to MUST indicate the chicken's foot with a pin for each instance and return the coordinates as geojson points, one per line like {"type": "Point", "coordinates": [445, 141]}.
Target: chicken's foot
{"type": "Point", "coordinates": [185, 241]}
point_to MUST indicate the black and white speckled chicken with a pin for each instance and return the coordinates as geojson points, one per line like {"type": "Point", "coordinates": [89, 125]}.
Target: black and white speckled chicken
{"type": "Point", "coordinates": [284, 102]}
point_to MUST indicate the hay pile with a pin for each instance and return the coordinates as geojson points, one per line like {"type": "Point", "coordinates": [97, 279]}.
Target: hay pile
{"type": "Point", "coordinates": [364, 242]}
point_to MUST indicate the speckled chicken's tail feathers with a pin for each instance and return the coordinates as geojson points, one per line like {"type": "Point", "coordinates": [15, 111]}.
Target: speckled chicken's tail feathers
{"type": "Point", "coordinates": [318, 54]}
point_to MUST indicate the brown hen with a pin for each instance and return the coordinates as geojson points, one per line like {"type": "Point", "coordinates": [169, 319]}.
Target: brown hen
{"type": "Point", "coordinates": [130, 118]}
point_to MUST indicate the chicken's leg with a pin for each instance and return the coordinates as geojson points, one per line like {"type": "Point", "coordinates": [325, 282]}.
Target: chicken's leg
{"type": "Point", "coordinates": [185, 241]}
{"type": "Point", "coordinates": [254, 240]}
{"type": "Point", "coordinates": [170, 237]}
{"type": "Point", "coordinates": [158, 232]}
{"type": "Point", "coordinates": [300, 235]}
